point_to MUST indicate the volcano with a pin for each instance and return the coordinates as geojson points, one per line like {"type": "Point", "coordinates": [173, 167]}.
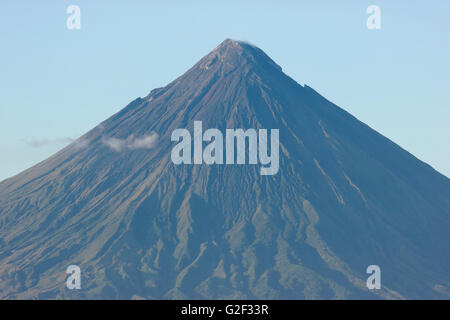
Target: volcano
{"type": "Point", "coordinates": [139, 226]}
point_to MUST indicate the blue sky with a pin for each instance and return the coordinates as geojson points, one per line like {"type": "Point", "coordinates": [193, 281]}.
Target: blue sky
{"type": "Point", "coordinates": [57, 83]}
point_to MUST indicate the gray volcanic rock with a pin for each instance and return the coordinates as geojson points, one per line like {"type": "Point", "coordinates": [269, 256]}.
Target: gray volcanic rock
{"type": "Point", "coordinates": [345, 197]}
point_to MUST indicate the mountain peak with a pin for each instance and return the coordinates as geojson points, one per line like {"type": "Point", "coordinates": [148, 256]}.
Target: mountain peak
{"type": "Point", "coordinates": [231, 54]}
{"type": "Point", "coordinates": [233, 45]}
{"type": "Point", "coordinates": [230, 42]}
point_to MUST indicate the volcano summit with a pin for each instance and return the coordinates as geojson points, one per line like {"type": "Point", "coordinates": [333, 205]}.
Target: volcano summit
{"type": "Point", "coordinates": [140, 226]}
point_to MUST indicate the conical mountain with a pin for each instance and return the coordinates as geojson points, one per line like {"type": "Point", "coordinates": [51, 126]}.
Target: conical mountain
{"type": "Point", "coordinates": [138, 225]}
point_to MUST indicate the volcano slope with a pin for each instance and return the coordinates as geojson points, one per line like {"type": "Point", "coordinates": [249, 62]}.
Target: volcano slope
{"type": "Point", "coordinates": [139, 226]}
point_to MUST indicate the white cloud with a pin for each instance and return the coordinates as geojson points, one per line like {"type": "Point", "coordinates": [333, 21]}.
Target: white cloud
{"type": "Point", "coordinates": [114, 143]}
{"type": "Point", "coordinates": [81, 143]}
{"type": "Point", "coordinates": [39, 143]}
{"type": "Point", "coordinates": [131, 143]}
{"type": "Point", "coordinates": [42, 143]}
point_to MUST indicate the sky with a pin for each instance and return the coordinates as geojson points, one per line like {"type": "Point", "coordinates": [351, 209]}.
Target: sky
{"type": "Point", "coordinates": [57, 83]}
